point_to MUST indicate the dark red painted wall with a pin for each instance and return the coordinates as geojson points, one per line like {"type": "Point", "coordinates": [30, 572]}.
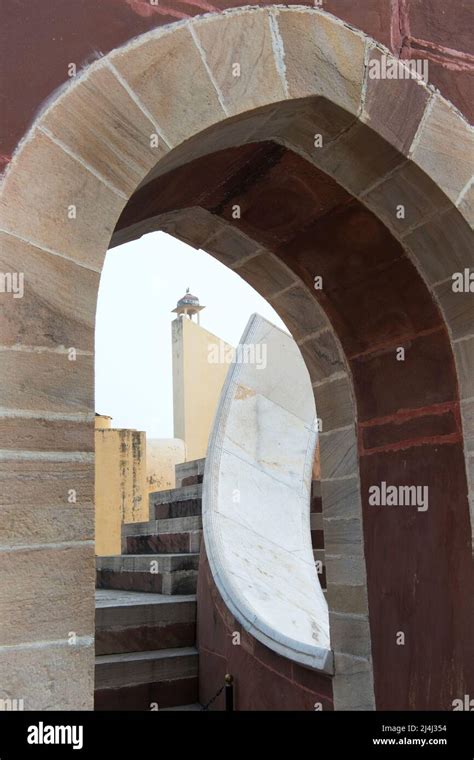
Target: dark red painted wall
{"type": "Point", "coordinates": [263, 679]}
{"type": "Point", "coordinates": [39, 39]}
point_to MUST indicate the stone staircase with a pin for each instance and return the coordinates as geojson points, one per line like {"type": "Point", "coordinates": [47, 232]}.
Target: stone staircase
{"type": "Point", "coordinates": [146, 605]}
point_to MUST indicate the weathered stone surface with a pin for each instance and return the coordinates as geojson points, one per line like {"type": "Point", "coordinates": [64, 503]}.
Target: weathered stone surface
{"type": "Point", "coordinates": [334, 403]}
{"type": "Point", "coordinates": [185, 470]}
{"type": "Point", "coordinates": [466, 205]}
{"type": "Point", "coordinates": [341, 498]}
{"type": "Point", "coordinates": [300, 311]}
{"type": "Point", "coordinates": [347, 598]}
{"type": "Point", "coordinates": [349, 664]}
{"type": "Point", "coordinates": [166, 543]}
{"type": "Point", "coordinates": [322, 356]}
{"type": "Point", "coordinates": [297, 123]}
{"type": "Point", "coordinates": [131, 622]}
{"type": "Point", "coordinates": [411, 188]}
{"type": "Point", "coordinates": [44, 217]}
{"type": "Point", "coordinates": [143, 638]}
{"type": "Point", "coordinates": [354, 691]}
{"type": "Point", "coordinates": [169, 77]}
{"type": "Point", "coordinates": [191, 225]}
{"type": "Point", "coordinates": [36, 434]}
{"type": "Point", "coordinates": [458, 309]}
{"type": "Point", "coordinates": [350, 633]}
{"type": "Point", "coordinates": [464, 354]}
{"type": "Point", "coordinates": [343, 536]}
{"type": "Point", "coordinates": [394, 107]}
{"type": "Point", "coordinates": [100, 122]}
{"type": "Point", "coordinates": [471, 512]}
{"type": "Point", "coordinates": [230, 245]}
{"type": "Point", "coordinates": [244, 39]}
{"type": "Point", "coordinates": [266, 274]}
{"type": "Point", "coordinates": [470, 474]}
{"type": "Point", "coordinates": [163, 525]}
{"type": "Point", "coordinates": [140, 696]}
{"type": "Point", "coordinates": [116, 671]}
{"type": "Point", "coordinates": [322, 57]}
{"type": "Point", "coordinates": [49, 484]}
{"type": "Point", "coordinates": [49, 678]}
{"type": "Point", "coordinates": [143, 565]}
{"type": "Point", "coordinates": [338, 455]}
{"type": "Point", "coordinates": [46, 381]}
{"type": "Point", "coordinates": [50, 312]}
{"type": "Point", "coordinates": [316, 521]}
{"type": "Point", "coordinates": [442, 246]}
{"type": "Point", "coordinates": [358, 158]}
{"type": "Point", "coordinates": [47, 594]}
{"type": "Point", "coordinates": [235, 130]}
{"type": "Point", "coordinates": [467, 413]}
{"type": "Point", "coordinates": [442, 147]}
{"type": "Point", "coordinates": [345, 568]}
{"type": "Point", "coordinates": [43, 524]}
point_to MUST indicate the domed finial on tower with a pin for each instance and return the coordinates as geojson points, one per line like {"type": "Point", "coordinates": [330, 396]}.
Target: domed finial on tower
{"type": "Point", "coordinates": [188, 306]}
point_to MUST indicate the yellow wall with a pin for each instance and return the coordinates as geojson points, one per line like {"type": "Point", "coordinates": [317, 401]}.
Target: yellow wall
{"type": "Point", "coordinates": [121, 493]}
{"type": "Point", "coordinates": [197, 384]}
{"type": "Point", "coordinates": [102, 421]}
{"type": "Point", "coordinates": [124, 471]}
{"type": "Point", "coordinates": [162, 454]}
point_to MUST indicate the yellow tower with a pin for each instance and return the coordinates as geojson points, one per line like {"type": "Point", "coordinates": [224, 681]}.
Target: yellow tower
{"type": "Point", "coordinates": [197, 377]}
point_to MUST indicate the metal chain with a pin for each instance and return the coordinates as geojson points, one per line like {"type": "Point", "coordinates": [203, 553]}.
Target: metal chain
{"type": "Point", "coordinates": [213, 699]}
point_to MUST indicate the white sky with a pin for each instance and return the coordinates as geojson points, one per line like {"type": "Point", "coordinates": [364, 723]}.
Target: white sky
{"type": "Point", "coordinates": [140, 285]}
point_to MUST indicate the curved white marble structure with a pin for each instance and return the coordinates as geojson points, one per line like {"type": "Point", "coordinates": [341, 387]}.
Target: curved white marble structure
{"type": "Point", "coordinates": [256, 499]}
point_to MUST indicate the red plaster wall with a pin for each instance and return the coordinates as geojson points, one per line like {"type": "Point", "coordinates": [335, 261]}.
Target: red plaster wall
{"type": "Point", "coordinates": [39, 39]}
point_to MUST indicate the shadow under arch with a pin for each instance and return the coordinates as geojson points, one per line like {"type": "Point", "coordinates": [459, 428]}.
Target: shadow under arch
{"type": "Point", "coordinates": [92, 148]}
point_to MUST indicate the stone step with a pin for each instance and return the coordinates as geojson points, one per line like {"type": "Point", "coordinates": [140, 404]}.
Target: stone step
{"type": "Point", "coordinates": [187, 470]}
{"type": "Point", "coordinates": [168, 574]}
{"type": "Point", "coordinates": [177, 502]}
{"type": "Point", "coordinates": [176, 494]}
{"type": "Point", "coordinates": [130, 621]}
{"type": "Point", "coordinates": [188, 541]}
{"type": "Point", "coordinates": [146, 680]}
{"type": "Point", "coordinates": [196, 707]}
{"type": "Point", "coordinates": [166, 525]}
{"type": "Point", "coordinates": [192, 480]}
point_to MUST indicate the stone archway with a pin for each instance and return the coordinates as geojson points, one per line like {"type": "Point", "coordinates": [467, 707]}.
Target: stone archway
{"type": "Point", "coordinates": [62, 196]}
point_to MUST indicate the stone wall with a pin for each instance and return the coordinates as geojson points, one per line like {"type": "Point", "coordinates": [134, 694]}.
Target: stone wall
{"type": "Point", "coordinates": [121, 494]}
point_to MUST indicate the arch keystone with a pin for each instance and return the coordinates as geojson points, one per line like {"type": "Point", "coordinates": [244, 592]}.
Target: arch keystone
{"type": "Point", "coordinates": [333, 57]}
{"type": "Point", "coordinates": [239, 52]}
